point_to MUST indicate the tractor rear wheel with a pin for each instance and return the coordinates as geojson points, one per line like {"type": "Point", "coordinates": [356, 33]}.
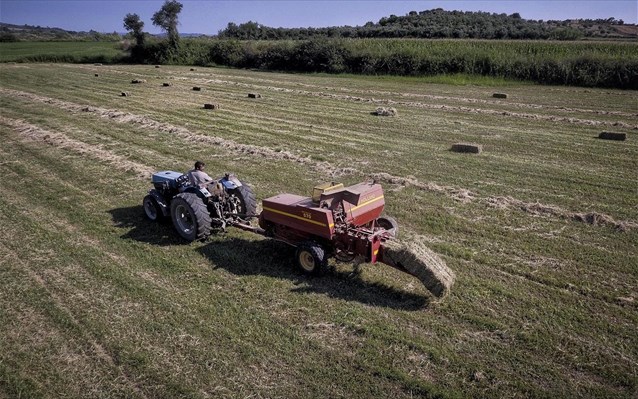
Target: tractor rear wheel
{"type": "Point", "coordinates": [390, 224]}
{"type": "Point", "coordinates": [311, 258]}
{"type": "Point", "coordinates": [245, 201]}
{"type": "Point", "coordinates": [152, 209]}
{"type": "Point", "coordinates": [190, 217]}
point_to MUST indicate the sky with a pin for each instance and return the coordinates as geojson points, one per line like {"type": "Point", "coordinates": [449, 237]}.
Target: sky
{"type": "Point", "coordinates": [209, 16]}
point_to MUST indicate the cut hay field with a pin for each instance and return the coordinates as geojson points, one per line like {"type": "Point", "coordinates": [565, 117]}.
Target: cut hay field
{"type": "Point", "coordinates": [541, 229]}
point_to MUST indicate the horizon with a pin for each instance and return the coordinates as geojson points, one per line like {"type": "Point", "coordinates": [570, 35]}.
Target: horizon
{"type": "Point", "coordinates": [208, 17]}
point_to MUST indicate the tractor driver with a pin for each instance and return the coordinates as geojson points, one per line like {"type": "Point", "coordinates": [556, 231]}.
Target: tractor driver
{"type": "Point", "coordinates": [198, 177]}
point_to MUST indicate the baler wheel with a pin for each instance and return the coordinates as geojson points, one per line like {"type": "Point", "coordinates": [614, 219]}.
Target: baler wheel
{"type": "Point", "coordinates": [190, 217]}
{"type": "Point", "coordinates": [389, 224]}
{"type": "Point", "coordinates": [152, 209]}
{"type": "Point", "coordinates": [311, 258]}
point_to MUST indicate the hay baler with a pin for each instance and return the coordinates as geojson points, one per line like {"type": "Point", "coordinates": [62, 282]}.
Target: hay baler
{"type": "Point", "coordinates": [344, 222]}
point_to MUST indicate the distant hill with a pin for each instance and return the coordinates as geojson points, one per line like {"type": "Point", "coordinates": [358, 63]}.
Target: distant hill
{"type": "Point", "coordinates": [438, 23]}
{"type": "Point", "coordinates": [435, 23]}
{"type": "Point", "coordinates": [14, 33]}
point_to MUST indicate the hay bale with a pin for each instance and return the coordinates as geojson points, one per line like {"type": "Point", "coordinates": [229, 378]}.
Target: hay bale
{"type": "Point", "coordinates": [613, 136]}
{"type": "Point", "coordinates": [421, 262]}
{"type": "Point", "coordinates": [382, 111]}
{"type": "Point", "coordinates": [157, 66]}
{"type": "Point", "coordinates": [467, 147]}
{"type": "Point", "coordinates": [196, 88]}
{"type": "Point", "coordinates": [97, 64]}
{"type": "Point", "coordinates": [125, 94]}
{"type": "Point", "coordinates": [499, 95]}
{"type": "Point", "coordinates": [166, 84]}
{"type": "Point", "coordinates": [211, 106]}
{"type": "Point", "coordinates": [254, 95]}
{"type": "Point", "coordinates": [137, 81]}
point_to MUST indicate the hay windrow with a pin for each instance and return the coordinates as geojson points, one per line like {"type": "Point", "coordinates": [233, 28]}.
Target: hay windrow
{"type": "Point", "coordinates": [538, 209]}
{"type": "Point", "coordinates": [34, 133]}
{"type": "Point", "coordinates": [421, 262]}
{"type": "Point", "coordinates": [456, 193]}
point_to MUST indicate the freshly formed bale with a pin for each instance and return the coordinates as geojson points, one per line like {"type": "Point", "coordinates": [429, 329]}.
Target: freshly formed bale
{"type": "Point", "coordinates": [211, 106]}
{"type": "Point", "coordinates": [613, 136]}
{"type": "Point", "coordinates": [165, 84]}
{"type": "Point", "coordinates": [421, 262]}
{"type": "Point", "coordinates": [254, 95]}
{"type": "Point", "coordinates": [499, 95]}
{"type": "Point", "coordinates": [125, 94]}
{"type": "Point", "coordinates": [135, 81]}
{"type": "Point", "coordinates": [466, 147]}
{"type": "Point", "coordinates": [381, 111]}
{"type": "Point", "coordinates": [196, 88]}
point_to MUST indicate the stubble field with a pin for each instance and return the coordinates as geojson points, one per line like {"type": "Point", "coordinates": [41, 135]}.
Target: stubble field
{"type": "Point", "coordinates": [541, 229]}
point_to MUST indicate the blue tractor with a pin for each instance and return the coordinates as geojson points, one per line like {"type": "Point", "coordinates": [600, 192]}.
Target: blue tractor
{"type": "Point", "coordinates": [196, 211]}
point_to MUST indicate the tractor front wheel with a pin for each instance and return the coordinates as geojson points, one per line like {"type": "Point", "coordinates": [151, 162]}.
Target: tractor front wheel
{"type": "Point", "coordinates": [190, 217]}
{"type": "Point", "coordinates": [152, 209]}
{"type": "Point", "coordinates": [311, 258]}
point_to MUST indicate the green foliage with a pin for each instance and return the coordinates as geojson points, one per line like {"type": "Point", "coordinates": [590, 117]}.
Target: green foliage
{"type": "Point", "coordinates": [436, 23]}
{"type": "Point", "coordinates": [167, 19]}
{"type": "Point", "coordinates": [578, 64]}
{"type": "Point", "coordinates": [133, 24]}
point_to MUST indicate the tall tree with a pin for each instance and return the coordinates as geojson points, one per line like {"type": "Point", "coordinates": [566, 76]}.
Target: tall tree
{"type": "Point", "coordinates": [166, 18]}
{"type": "Point", "coordinates": [133, 24]}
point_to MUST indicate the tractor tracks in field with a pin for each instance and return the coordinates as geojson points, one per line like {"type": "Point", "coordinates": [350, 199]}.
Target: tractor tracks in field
{"type": "Point", "coordinates": [323, 167]}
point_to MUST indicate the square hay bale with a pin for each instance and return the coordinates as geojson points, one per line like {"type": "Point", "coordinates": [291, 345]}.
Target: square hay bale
{"type": "Point", "coordinates": [197, 88]}
{"type": "Point", "coordinates": [613, 136]}
{"type": "Point", "coordinates": [166, 84]}
{"type": "Point", "coordinates": [421, 262]}
{"type": "Point", "coordinates": [137, 81]}
{"type": "Point", "coordinates": [125, 94]}
{"type": "Point", "coordinates": [467, 148]}
{"type": "Point", "coordinates": [382, 111]}
{"type": "Point", "coordinates": [254, 95]}
{"type": "Point", "coordinates": [211, 106]}
{"type": "Point", "coordinates": [499, 95]}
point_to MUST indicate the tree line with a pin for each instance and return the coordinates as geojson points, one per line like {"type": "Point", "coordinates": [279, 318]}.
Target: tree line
{"type": "Point", "coordinates": [435, 24]}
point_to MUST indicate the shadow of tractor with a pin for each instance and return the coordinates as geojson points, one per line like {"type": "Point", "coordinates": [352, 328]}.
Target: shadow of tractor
{"type": "Point", "coordinates": [275, 259]}
{"type": "Point", "coordinates": [144, 230]}
{"type": "Point", "coordinates": [271, 258]}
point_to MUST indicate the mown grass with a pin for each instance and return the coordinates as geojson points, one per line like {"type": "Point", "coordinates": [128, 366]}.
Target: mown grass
{"type": "Point", "coordinates": [96, 301]}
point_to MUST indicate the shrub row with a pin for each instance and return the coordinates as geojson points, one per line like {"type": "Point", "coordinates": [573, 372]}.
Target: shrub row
{"type": "Point", "coordinates": [612, 65]}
